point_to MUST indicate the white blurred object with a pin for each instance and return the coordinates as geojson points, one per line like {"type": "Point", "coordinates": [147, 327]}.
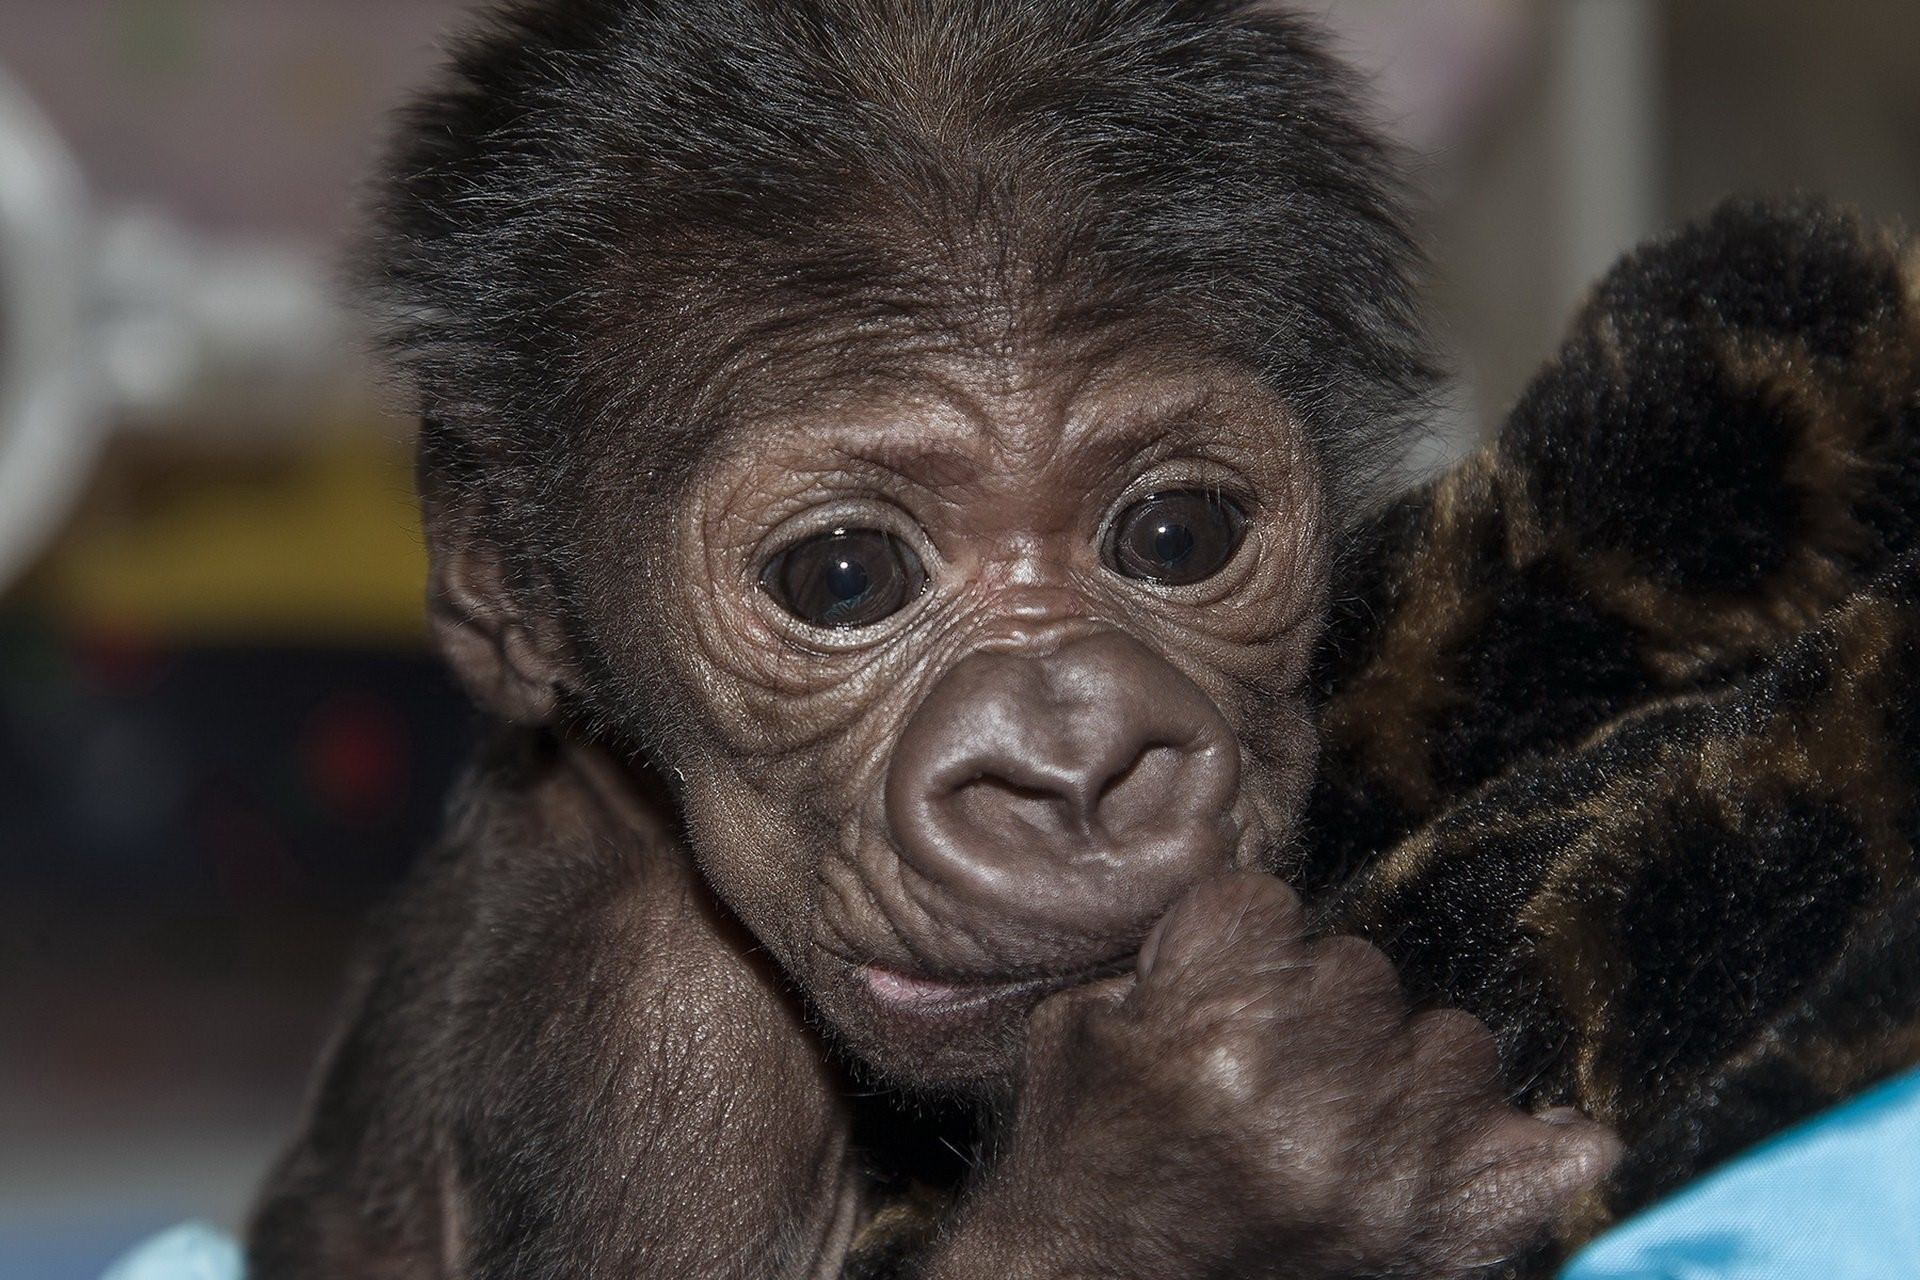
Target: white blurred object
{"type": "Point", "coordinates": [128, 323]}
{"type": "Point", "coordinates": [49, 424]}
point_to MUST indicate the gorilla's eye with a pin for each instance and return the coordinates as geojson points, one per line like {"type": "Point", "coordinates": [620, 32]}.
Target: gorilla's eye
{"type": "Point", "coordinates": [847, 578]}
{"type": "Point", "coordinates": [1176, 538]}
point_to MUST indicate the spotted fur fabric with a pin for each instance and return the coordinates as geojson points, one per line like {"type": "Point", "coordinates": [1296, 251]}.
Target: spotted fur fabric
{"type": "Point", "coordinates": [1623, 713]}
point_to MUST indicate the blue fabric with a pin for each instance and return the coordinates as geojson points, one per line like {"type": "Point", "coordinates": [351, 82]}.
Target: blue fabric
{"type": "Point", "coordinates": [1837, 1198]}
{"type": "Point", "coordinates": [192, 1252]}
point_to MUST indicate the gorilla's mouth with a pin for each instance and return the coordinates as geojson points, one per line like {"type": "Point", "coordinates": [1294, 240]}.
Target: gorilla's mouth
{"type": "Point", "coordinates": [926, 997]}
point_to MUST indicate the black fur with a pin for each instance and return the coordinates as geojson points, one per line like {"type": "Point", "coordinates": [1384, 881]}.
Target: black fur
{"type": "Point", "coordinates": [842, 184]}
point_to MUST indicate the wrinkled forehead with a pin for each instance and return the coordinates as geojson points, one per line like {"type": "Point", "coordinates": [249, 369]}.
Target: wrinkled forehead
{"type": "Point", "coordinates": [864, 341]}
{"type": "Point", "coordinates": [945, 413]}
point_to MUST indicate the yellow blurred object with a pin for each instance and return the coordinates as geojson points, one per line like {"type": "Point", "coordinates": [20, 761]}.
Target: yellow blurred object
{"type": "Point", "coordinates": [323, 547]}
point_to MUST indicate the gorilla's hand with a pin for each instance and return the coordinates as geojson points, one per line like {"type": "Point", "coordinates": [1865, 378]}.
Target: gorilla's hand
{"type": "Point", "coordinates": [1258, 1104]}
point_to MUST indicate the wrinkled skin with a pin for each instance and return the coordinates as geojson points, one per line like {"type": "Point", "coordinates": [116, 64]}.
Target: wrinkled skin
{"type": "Point", "coordinates": [818, 744]}
{"type": "Point", "coordinates": [1013, 840]}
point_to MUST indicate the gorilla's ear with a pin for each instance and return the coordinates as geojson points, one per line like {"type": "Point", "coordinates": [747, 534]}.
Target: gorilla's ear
{"type": "Point", "coordinates": [508, 650]}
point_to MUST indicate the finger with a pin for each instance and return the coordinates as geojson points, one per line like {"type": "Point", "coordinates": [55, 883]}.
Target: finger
{"type": "Point", "coordinates": [1454, 1048]}
{"type": "Point", "coordinates": [1349, 971]}
{"type": "Point", "coordinates": [1064, 1012]}
{"type": "Point", "coordinates": [1237, 912]}
{"type": "Point", "coordinates": [1527, 1170]}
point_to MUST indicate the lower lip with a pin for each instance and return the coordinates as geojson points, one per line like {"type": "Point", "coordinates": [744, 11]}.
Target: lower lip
{"type": "Point", "coordinates": [925, 998]}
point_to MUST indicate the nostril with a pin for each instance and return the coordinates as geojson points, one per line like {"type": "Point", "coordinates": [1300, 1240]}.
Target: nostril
{"type": "Point", "coordinates": [1087, 802]}
{"type": "Point", "coordinates": [1146, 763]}
{"type": "Point", "coordinates": [1137, 796]}
{"type": "Point", "coordinates": [991, 803]}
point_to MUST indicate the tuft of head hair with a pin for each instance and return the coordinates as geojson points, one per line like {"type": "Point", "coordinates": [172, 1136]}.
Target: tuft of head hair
{"type": "Point", "coordinates": [616, 226]}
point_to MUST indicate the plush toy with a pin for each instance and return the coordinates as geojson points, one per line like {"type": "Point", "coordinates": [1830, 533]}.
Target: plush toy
{"type": "Point", "coordinates": [1623, 713]}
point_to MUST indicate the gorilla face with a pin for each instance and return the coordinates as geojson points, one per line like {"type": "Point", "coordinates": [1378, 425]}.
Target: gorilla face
{"type": "Point", "coordinates": [972, 680]}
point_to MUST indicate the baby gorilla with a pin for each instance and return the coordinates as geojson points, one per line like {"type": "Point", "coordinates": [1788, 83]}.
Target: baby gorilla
{"type": "Point", "coordinates": [880, 461]}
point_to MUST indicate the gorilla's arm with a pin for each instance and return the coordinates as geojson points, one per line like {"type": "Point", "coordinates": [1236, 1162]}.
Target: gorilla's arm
{"type": "Point", "coordinates": [562, 1057]}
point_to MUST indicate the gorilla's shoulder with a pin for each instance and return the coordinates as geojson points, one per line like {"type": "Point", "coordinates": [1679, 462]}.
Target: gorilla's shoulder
{"type": "Point", "coordinates": [1733, 396]}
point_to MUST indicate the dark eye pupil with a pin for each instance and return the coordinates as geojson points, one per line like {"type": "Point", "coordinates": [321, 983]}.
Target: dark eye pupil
{"type": "Point", "coordinates": [847, 578]}
{"type": "Point", "coordinates": [848, 581]}
{"type": "Point", "coordinates": [1172, 543]}
{"type": "Point", "coordinates": [1176, 538]}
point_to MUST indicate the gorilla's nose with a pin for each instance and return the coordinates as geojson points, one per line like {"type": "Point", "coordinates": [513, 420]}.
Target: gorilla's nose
{"type": "Point", "coordinates": [1080, 791]}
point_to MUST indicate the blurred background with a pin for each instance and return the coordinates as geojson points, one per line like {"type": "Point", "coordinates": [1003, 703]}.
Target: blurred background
{"type": "Point", "coordinates": [220, 737]}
